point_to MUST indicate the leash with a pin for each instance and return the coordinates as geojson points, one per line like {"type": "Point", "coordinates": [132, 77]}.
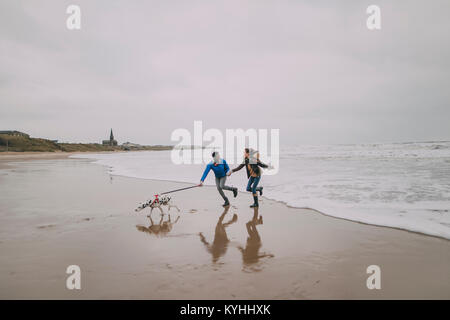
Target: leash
{"type": "Point", "coordinates": [176, 190]}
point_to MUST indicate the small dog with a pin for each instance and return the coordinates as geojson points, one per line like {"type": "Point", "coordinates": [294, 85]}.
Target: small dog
{"type": "Point", "coordinates": [157, 203]}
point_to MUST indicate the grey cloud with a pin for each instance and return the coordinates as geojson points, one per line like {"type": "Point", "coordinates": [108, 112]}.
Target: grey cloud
{"type": "Point", "coordinates": [311, 69]}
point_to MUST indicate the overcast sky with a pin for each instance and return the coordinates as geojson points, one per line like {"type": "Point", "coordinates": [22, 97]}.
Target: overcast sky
{"type": "Point", "coordinates": [144, 68]}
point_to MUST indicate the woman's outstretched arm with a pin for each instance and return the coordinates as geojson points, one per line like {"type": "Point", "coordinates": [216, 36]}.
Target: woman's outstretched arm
{"type": "Point", "coordinates": [238, 167]}
{"type": "Point", "coordinates": [262, 165]}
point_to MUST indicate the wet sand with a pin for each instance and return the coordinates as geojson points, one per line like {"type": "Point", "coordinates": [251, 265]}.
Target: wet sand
{"type": "Point", "coordinates": [59, 212]}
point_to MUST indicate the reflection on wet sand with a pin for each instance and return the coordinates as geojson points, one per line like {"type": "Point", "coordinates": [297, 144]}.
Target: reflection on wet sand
{"type": "Point", "coordinates": [251, 254]}
{"type": "Point", "coordinates": [160, 229]}
{"type": "Point", "coordinates": [220, 243]}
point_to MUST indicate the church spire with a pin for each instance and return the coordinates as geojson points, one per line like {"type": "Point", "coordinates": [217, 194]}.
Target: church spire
{"type": "Point", "coordinates": [111, 136]}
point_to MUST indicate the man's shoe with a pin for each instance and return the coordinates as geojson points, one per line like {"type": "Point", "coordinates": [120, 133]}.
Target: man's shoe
{"type": "Point", "coordinates": [235, 192]}
{"type": "Point", "coordinates": [254, 205]}
{"type": "Point", "coordinates": [226, 204]}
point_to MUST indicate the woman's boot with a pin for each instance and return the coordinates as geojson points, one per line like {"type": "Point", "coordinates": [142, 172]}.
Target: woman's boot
{"type": "Point", "coordinates": [255, 203]}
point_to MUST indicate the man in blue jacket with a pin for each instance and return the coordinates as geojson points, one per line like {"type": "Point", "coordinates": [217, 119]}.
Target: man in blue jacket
{"type": "Point", "coordinates": [220, 168]}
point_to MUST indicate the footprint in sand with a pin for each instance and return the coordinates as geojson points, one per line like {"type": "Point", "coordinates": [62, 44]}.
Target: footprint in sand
{"type": "Point", "coordinates": [85, 219]}
{"type": "Point", "coordinates": [46, 226]}
{"type": "Point", "coordinates": [193, 211]}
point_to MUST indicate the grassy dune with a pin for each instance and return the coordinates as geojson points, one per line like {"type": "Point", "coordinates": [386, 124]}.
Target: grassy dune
{"type": "Point", "coordinates": [26, 144]}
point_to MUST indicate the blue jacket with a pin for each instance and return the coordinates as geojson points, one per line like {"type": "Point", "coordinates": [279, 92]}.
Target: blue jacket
{"type": "Point", "coordinates": [220, 170]}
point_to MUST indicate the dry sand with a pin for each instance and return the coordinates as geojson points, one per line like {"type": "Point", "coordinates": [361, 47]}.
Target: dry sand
{"type": "Point", "coordinates": [7, 157]}
{"type": "Point", "coordinates": [55, 212]}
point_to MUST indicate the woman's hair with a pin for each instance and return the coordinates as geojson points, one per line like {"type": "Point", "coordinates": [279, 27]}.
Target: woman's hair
{"type": "Point", "coordinates": [253, 155]}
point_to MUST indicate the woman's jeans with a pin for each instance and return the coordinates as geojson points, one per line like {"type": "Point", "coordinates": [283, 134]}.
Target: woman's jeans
{"type": "Point", "coordinates": [253, 184]}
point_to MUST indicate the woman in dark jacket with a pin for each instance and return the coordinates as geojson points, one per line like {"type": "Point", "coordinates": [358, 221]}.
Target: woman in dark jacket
{"type": "Point", "coordinates": [252, 166]}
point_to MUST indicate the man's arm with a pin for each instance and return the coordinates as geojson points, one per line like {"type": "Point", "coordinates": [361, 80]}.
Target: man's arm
{"type": "Point", "coordinates": [226, 166]}
{"type": "Point", "coordinates": [205, 173]}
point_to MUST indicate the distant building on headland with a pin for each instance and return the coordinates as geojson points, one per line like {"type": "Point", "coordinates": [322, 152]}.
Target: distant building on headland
{"type": "Point", "coordinates": [15, 133]}
{"type": "Point", "coordinates": [130, 146]}
{"type": "Point", "coordinates": [111, 141]}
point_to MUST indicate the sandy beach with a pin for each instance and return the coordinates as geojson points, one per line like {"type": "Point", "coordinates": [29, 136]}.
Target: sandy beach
{"type": "Point", "coordinates": [57, 211]}
{"type": "Point", "coordinates": [6, 158]}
